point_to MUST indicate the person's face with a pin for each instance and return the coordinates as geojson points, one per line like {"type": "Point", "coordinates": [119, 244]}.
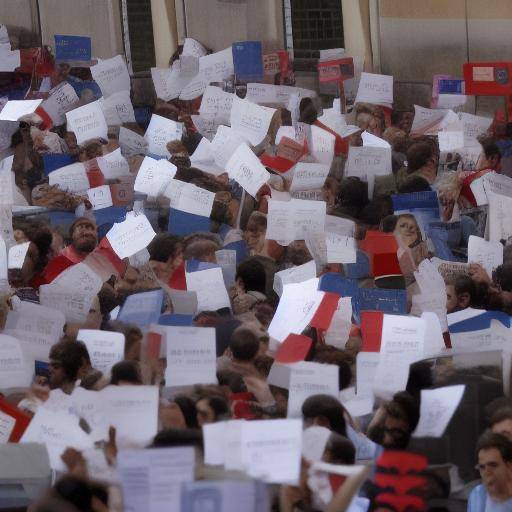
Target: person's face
{"type": "Point", "coordinates": [205, 413]}
{"type": "Point", "coordinates": [396, 434]}
{"type": "Point", "coordinates": [451, 298]}
{"type": "Point", "coordinates": [504, 428]}
{"type": "Point", "coordinates": [405, 122]}
{"type": "Point", "coordinates": [84, 238]}
{"type": "Point", "coordinates": [374, 127]}
{"type": "Point", "coordinates": [56, 374]}
{"type": "Point", "coordinates": [255, 239]}
{"type": "Point", "coordinates": [495, 472]}
{"type": "Point", "coordinates": [407, 229]}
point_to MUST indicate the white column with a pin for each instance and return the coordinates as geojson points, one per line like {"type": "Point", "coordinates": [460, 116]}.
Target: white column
{"type": "Point", "coordinates": [165, 32]}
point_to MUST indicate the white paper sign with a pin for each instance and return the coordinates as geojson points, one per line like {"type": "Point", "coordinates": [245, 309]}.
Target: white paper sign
{"type": "Point", "coordinates": [169, 82]}
{"type": "Point", "coordinates": [15, 372]}
{"type": "Point", "coordinates": [132, 143]}
{"type": "Point", "coordinates": [105, 348]}
{"type": "Point", "coordinates": [111, 75]}
{"type": "Point", "coordinates": [309, 176]}
{"type": "Point", "coordinates": [294, 275]}
{"type": "Point", "coordinates": [17, 254]}
{"type": "Point", "coordinates": [271, 450]}
{"type": "Point", "coordinates": [9, 61]}
{"type": "Point", "coordinates": [6, 181]}
{"type": "Point", "coordinates": [118, 108]}
{"type": "Point", "coordinates": [436, 410]}
{"type": "Point", "coordinates": [212, 68]}
{"type": "Point", "coordinates": [190, 198]}
{"type": "Point", "coordinates": [151, 479]}
{"type": "Point", "coordinates": [275, 94]}
{"type": "Point", "coordinates": [71, 178]}
{"type": "Point", "coordinates": [216, 101]}
{"type": "Point", "coordinates": [487, 254]}
{"type": "Point", "coordinates": [100, 197]}
{"type": "Point", "coordinates": [210, 289]}
{"type": "Point", "coordinates": [474, 126]}
{"type": "Point", "coordinates": [322, 145]}
{"type": "Point", "coordinates": [251, 120]}
{"type": "Point", "coordinates": [14, 109]}
{"type": "Point", "coordinates": [402, 343]}
{"type": "Point", "coordinates": [245, 167]}
{"type": "Point", "coordinates": [113, 165]}
{"type": "Point", "coordinates": [296, 308]}
{"type": "Point", "coordinates": [161, 131]}
{"type": "Point", "coordinates": [450, 141]}
{"type": "Point", "coordinates": [500, 227]}
{"type": "Point", "coordinates": [426, 120]}
{"type": "Point", "coordinates": [373, 88]}
{"type": "Point", "coordinates": [87, 122]}
{"type": "Point", "coordinates": [153, 176]}
{"type": "Point", "coordinates": [60, 100]}
{"type": "Point", "coordinates": [191, 356]}
{"type": "Point", "coordinates": [341, 324]}
{"type": "Point", "coordinates": [224, 144]}
{"type": "Point", "coordinates": [340, 249]}
{"type": "Point", "coordinates": [6, 427]}
{"type": "Point", "coordinates": [130, 236]}
{"type": "Point", "coordinates": [308, 379]}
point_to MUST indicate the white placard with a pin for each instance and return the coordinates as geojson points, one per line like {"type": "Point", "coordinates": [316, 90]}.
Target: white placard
{"type": "Point", "coordinates": [297, 306]}
{"type": "Point", "coordinates": [153, 177]}
{"type": "Point", "coordinates": [487, 254]}
{"type": "Point", "coordinates": [100, 197]}
{"type": "Point", "coordinates": [132, 143]}
{"type": "Point", "coordinates": [210, 289]}
{"type": "Point", "coordinates": [436, 410]}
{"type": "Point", "coordinates": [245, 167]}
{"type": "Point", "coordinates": [216, 101]}
{"type": "Point", "coordinates": [130, 236]}
{"type": "Point", "coordinates": [376, 89]}
{"type": "Point", "coordinates": [191, 356]}
{"type": "Point", "coordinates": [87, 122]}
{"type": "Point", "coordinates": [250, 120]}
{"type": "Point", "coordinates": [14, 109]}
{"type": "Point", "coordinates": [113, 165]}
{"type": "Point", "coordinates": [111, 75]}
{"type": "Point", "coordinates": [71, 178]}
{"type": "Point", "coordinates": [60, 100]}
{"type": "Point", "coordinates": [105, 348]}
{"type": "Point", "coordinates": [294, 275]}
{"type": "Point", "coordinates": [309, 176]}
{"type": "Point", "coordinates": [14, 370]}
{"type": "Point", "coordinates": [224, 144]}
{"type": "Point", "coordinates": [118, 108]}
{"type": "Point", "coordinates": [16, 255]}
{"type": "Point", "coordinates": [308, 379]}
{"type": "Point", "coordinates": [161, 131]}
{"type": "Point", "coordinates": [271, 450]}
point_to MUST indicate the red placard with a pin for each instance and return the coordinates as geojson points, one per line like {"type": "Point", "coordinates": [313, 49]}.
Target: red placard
{"type": "Point", "coordinates": [336, 70]}
{"type": "Point", "coordinates": [294, 348]}
{"type": "Point", "coordinates": [22, 420]}
{"type": "Point", "coordinates": [488, 78]}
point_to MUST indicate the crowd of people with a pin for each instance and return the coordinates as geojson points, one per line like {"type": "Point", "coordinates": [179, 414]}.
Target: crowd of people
{"type": "Point", "coordinates": [347, 329]}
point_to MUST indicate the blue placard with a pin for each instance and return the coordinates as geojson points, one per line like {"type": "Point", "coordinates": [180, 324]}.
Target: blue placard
{"type": "Point", "coordinates": [248, 61]}
{"type": "Point", "coordinates": [86, 87]}
{"type": "Point", "coordinates": [143, 308]}
{"type": "Point", "coordinates": [359, 269]}
{"type": "Point", "coordinates": [176, 320]}
{"type": "Point", "coordinates": [182, 223]}
{"type": "Point", "coordinates": [451, 86]}
{"type": "Point", "coordinates": [380, 299]}
{"type": "Point", "coordinates": [72, 47]}
{"type": "Point", "coordinates": [450, 232]}
{"type": "Point", "coordinates": [54, 161]}
{"type": "Point", "coordinates": [242, 252]}
{"type": "Point", "coordinates": [106, 217]}
{"type": "Point", "coordinates": [479, 322]}
{"type": "Point", "coordinates": [61, 220]}
{"type": "Point", "coordinates": [334, 283]}
{"type": "Point", "coordinates": [424, 199]}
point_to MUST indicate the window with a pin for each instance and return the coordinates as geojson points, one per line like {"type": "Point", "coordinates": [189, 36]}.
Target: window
{"type": "Point", "coordinates": [140, 34]}
{"type": "Point", "coordinates": [315, 25]}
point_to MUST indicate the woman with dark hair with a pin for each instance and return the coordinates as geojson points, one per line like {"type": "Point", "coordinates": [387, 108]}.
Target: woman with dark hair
{"type": "Point", "coordinates": [211, 409]}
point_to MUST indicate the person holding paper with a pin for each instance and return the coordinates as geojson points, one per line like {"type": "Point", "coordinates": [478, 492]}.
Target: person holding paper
{"type": "Point", "coordinates": [250, 286]}
{"type": "Point", "coordinates": [494, 494]}
{"type": "Point", "coordinates": [408, 233]}
{"type": "Point", "coordinates": [65, 363]}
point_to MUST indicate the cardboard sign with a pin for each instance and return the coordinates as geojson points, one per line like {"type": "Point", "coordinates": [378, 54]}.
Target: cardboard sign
{"type": "Point", "coordinates": [72, 47]}
{"type": "Point", "coordinates": [336, 70]}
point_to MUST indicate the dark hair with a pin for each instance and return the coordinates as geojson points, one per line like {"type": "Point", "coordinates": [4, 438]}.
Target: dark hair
{"type": "Point", "coordinates": [307, 111]}
{"type": "Point", "coordinates": [404, 407]}
{"type": "Point", "coordinates": [352, 196]}
{"type": "Point", "coordinates": [79, 492]}
{"type": "Point", "coordinates": [502, 414]}
{"type": "Point", "coordinates": [164, 246]}
{"type": "Point", "coordinates": [503, 277]}
{"type": "Point", "coordinates": [41, 237]}
{"type": "Point", "coordinates": [70, 355]}
{"type": "Point", "coordinates": [128, 371]}
{"type": "Point", "coordinates": [388, 223]}
{"type": "Point", "coordinates": [490, 149]}
{"type": "Point", "coordinates": [376, 210]}
{"type": "Point", "coordinates": [341, 449]}
{"type": "Point", "coordinates": [252, 274]}
{"type": "Point", "coordinates": [418, 155]}
{"type": "Point", "coordinates": [328, 407]}
{"type": "Point", "coordinates": [414, 184]}
{"type": "Point", "coordinates": [464, 284]}
{"type": "Point", "coordinates": [177, 437]}
{"type": "Point", "coordinates": [233, 380]}
{"type": "Point", "coordinates": [188, 409]}
{"type": "Point", "coordinates": [244, 344]}
{"type": "Point", "coordinates": [219, 405]}
{"type": "Point", "coordinates": [489, 440]}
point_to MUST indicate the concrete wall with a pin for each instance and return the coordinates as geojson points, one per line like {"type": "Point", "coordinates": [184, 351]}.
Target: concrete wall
{"type": "Point", "coordinates": [219, 23]}
{"type": "Point", "coordinates": [420, 39]}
